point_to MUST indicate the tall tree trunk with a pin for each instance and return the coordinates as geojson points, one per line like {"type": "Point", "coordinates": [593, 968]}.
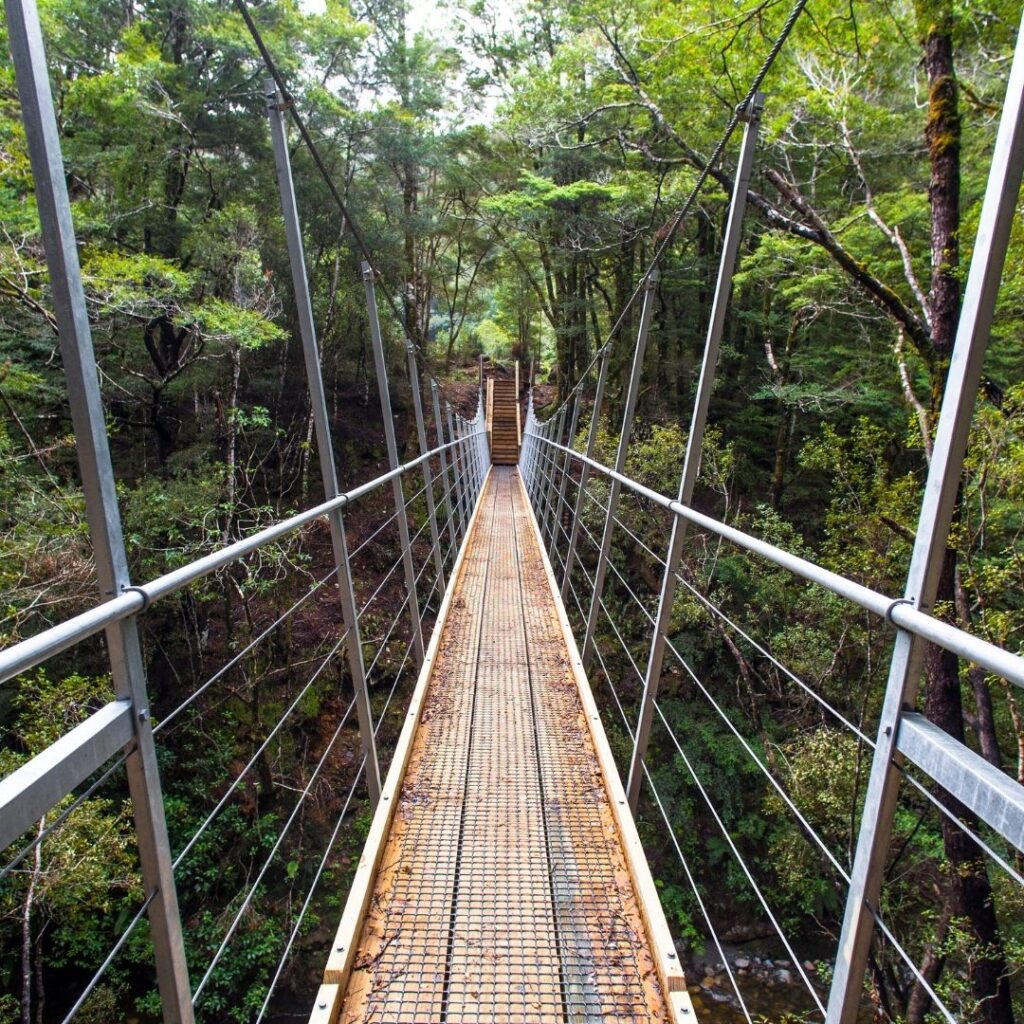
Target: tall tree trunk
{"type": "Point", "coordinates": [970, 892]}
{"type": "Point", "coordinates": [969, 896]}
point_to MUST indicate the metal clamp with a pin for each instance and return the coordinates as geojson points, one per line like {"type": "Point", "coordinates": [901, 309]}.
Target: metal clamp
{"type": "Point", "coordinates": [892, 605]}
{"type": "Point", "coordinates": [146, 599]}
{"type": "Point", "coordinates": [747, 112]}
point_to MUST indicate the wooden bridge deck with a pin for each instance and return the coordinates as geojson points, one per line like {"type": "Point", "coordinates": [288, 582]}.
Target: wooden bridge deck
{"type": "Point", "coordinates": [506, 882]}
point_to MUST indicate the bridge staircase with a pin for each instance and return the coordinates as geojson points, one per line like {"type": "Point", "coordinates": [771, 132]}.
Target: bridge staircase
{"type": "Point", "coordinates": [504, 428]}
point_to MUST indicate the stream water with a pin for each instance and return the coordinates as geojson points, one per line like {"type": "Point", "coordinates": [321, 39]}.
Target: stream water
{"type": "Point", "coordinates": [772, 989]}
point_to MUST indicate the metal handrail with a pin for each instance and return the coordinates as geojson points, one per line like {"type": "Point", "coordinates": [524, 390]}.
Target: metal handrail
{"type": "Point", "coordinates": [894, 610]}
{"type": "Point", "coordinates": [28, 653]}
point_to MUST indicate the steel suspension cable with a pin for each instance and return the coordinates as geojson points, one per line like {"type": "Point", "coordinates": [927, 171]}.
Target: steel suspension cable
{"type": "Point", "coordinates": [333, 839]}
{"type": "Point", "coordinates": [914, 969]}
{"type": "Point", "coordinates": [679, 852]}
{"type": "Point", "coordinates": [110, 958]}
{"type": "Point", "coordinates": [347, 219]}
{"type": "Point", "coordinates": [715, 610]}
{"type": "Point", "coordinates": [65, 814]}
{"type": "Point", "coordinates": [263, 746]}
{"type": "Point", "coordinates": [740, 861]}
{"type": "Point", "coordinates": [270, 856]}
{"type": "Point", "coordinates": [309, 895]}
{"type": "Point", "coordinates": [833, 860]}
{"type": "Point", "coordinates": [224, 669]}
{"type": "Point", "coordinates": [696, 892]}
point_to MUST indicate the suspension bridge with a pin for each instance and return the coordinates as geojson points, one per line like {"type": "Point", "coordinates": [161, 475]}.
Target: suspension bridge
{"type": "Point", "coordinates": [503, 878]}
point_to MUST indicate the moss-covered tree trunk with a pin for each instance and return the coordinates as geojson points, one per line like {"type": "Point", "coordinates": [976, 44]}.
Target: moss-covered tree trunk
{"type": "Point", "coordinates": [969, 890]}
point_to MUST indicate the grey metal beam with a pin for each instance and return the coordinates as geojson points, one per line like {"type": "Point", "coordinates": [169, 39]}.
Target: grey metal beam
{"type": "Point", "coordinates": [30, 791]}
{"type": "Point", "coordinates": [324, 443]}
{"type": "Point", "coordinates": [938, 504]}
{"type": "Point", "coordinates": [428, 476]}
{"type": "Point", "coordinates": [633, 389]}
{"type": "Point", "coordinates": [552, 511]}
{"type": "Point", "coordinates": [384, 392]}
{"type": "Point", "coordinates": [578, 511]}
{"type": "Point", "coordinates": [459, 466]}
{"type": "Point", "coordinates": [694, 443]}
{"type": "Point", "coordinates": [991, 794]}
{"type": "Point", "coordinates": [566, 458]}
{"type": "Point", "coordinates": [102, 512]}
{"type": "Point", "coordinates": [447, 489]}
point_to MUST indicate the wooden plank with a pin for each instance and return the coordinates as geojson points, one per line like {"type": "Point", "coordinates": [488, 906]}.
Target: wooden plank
{"type": "Point", "coordinates": [326, 1006]}
{"type": "Point", "coordinates": [669, 970]}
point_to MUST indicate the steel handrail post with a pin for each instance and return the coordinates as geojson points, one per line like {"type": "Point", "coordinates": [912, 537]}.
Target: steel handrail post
{"type": "Point", "coordinates": [467, 454]}
{"type": "Point", "coordinates": [635, 374]}
{"type": "Point", "coordinates": [124, 650]}
{"type": "Point", "coordinates": [448, 489]}
{"type": "Point", "coordinates": [543, 461]}
{"type": "Point", "coordinates": [694, 442]}
{"type": "Point", "coordinates": [428, 476]}
{"type": "Point", "coordinates": [538, 469]}
{"type": "Point", "coordinates": [384, 392]}
{"type": "Point", "coordinates": [483, 451]}
{"type": "Point", "coordinates": [476, 424]}
{"type": "Point", "coordinates": [937, 509]}
{"type": "Point", "coordinates": [552, 511]}
{"type": "Point", "coordinates": [324, 443]}
{"type": "Point", "coordinates": [574, 534]}
{"type": "Point", "coordinates": [524, 450]}
{"type": "Point", "coordinates": [548, 479]}
{"type": "Point", "coordinates": [526, 453]}
{"type": "Point", "coordinates": [467, 463]}
{"type": "Point", "coordinates": [540, 458]}
{"type": "Point", "coordinates": [459, 466]}
{"type": "Point", "coordinates": [560, 507]}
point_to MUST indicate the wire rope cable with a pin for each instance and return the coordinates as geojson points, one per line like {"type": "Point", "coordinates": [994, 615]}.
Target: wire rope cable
{"type": "Point", "coordinates": [263, 746]}
{"type": "Point", "coordinates": [270, 857]}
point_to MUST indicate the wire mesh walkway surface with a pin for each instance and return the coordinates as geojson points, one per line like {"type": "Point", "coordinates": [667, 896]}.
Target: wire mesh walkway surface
{"type": "Point", "coordinates": [507, 885]}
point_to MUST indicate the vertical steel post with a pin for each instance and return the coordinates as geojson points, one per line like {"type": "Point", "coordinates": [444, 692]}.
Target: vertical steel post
{"type": "Point", "coordinates": [428, 476]}
{"type": "Point", "coordinates": [544, 473]}
{"type": "Point", "coordinates": [469, 462]}
{"type": "Point", "coordinates": [321, 424]}
{"type": "Point", "coordinates": [459, 468]}
{"type": "Point", "coordinates": [620, 464]}
{"type": "Point", "coordinates": [448, 490]}
{"type": "Point", "coordinates": [384, 392]}
{"type": "Point", "coordinates": [123, 647]}
{"type": "Point", "coordinates": [469, 426]}
{"type": "Point", "coordinates": [552, 511]}
{"type": "Point", "coordinates": [539, 455]}
{"type": "Point", "coordinates": [566, 470]}
{"type": "Point", "coordinates": [580, 507]}
{"type": "Point", "coordinates": [698, 425]}
{"type": "Point", "coordinates": [524, 451]}
{"type": "Point", "coordinates": [483, 448]}
{"type": "Point", "coordinates": [937, 509]}
{"type": "Point", "coordinates": [483, 454]}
